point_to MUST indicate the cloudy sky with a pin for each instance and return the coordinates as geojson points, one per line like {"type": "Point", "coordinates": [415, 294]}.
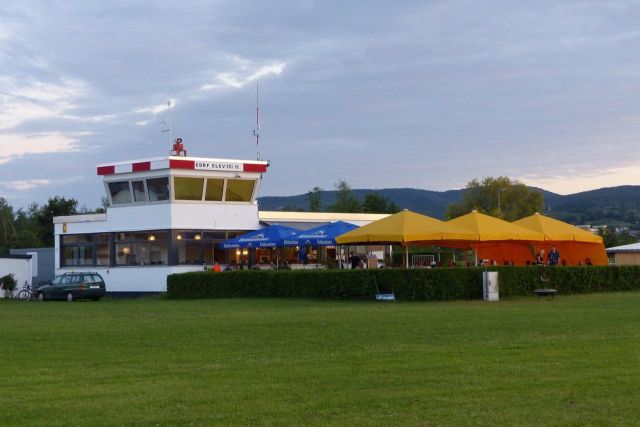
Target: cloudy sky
{"type": "Point", "coordinates": [420, 94]}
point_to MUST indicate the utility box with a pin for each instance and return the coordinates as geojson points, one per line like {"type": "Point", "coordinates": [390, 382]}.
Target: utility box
{"type": "Point", "coordinates": [372, 261]}
{"type": "Point", "coordinates": [490, 288]}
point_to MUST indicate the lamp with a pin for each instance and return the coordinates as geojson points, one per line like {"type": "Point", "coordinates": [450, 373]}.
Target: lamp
{"type": "Point", "coordinates": [152, 237]}
{"type": "Point", "coordinates": [245, 251]}
{"type": "Point", "coordinates": [198, 237]}
{"type": "Point", "coordinates": [179, 237]}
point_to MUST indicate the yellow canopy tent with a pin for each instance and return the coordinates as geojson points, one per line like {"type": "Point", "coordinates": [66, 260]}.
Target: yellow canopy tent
{"type": "Point", "coordinates": [492, 235]}
{"type": "Point", "coordinates": [574, 244]}
{"type": "Point", "coordinates": [404, 228]}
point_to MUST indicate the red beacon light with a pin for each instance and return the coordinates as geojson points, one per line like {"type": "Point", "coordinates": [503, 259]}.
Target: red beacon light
{"type": "Point", "coordinates": [178, 148]}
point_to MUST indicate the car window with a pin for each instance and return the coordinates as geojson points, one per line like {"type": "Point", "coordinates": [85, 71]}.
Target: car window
{"type": "Point", "coordinates": [97, 278]}
{"type": "Point", "coordinates": [76, 278]}
{"type": "Point", "coordinates": [57, 280]}
{"type": "Point", "coordinates": [65, 280]}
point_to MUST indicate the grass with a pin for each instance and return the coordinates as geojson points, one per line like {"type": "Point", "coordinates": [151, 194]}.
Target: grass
{"type": "Point", "coordinates": [574, 360]}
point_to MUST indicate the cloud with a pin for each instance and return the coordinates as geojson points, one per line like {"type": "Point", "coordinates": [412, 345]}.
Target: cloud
{"type": "Point", "coordinates": [576, 180]}
{"type": "Point", "coordinates": [25, 184]}
{"type": "Point", "coordinates": [155, 109]}
{"type": "Point", "coordinates": [23, 100]}
{"type": "Point", "coordinates": [246, 72]}
{"type": "Point", "coordinates": [16, 145]}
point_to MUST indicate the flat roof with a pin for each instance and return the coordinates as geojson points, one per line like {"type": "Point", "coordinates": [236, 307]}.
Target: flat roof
{"type": "Point", "coordinates": [178, 162]}
{"type": "Point", "coordinates": [633, 247]}
{"type": "Point", "coordinates": [273, 216]}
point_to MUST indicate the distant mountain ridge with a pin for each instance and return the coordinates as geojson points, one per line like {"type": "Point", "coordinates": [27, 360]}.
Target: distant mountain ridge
{"type": "Point", "coordinates": [610, 206]}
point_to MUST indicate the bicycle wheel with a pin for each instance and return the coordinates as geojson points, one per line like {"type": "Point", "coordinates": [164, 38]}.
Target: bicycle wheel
{"type": "Point", "coordinates": [24, 294]}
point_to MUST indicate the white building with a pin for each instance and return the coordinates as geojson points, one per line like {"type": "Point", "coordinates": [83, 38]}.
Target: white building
{"type": "Point", "coordinates": [20, 266]}
{"type": "Point", "coordinates": [169, 215]}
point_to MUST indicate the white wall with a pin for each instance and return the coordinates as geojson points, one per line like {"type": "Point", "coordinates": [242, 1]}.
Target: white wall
{"type": "Point", "coordinates": [20, 268]}
{"type": "Point", "coordinates": [135, 278]}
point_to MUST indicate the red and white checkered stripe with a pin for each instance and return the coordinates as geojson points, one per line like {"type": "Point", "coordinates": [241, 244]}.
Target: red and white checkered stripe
{"type": "Point", "coordinates": [178, 163]}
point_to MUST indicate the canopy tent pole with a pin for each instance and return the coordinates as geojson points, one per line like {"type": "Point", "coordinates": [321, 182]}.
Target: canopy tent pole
{"type": "Point", "coordinates": [406, 254]}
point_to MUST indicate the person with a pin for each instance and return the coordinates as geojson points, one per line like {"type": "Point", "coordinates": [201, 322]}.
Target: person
{"type": "Point", "coordinates": [354, 260]}
{"type": "Point", "coordinates": [216, 267]}
{"type": "Point", "coordinates": [554, 256]}
{"type": "Point", "coordinates": [540, 257]}
{"type": "Point", "coordinates": [302, 255]}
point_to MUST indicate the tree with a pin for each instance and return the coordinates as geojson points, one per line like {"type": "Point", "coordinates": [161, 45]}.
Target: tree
{"type": "Point", "coordinates": [7, 225]}
{"type": "Point", "coordinates": [314, 198]}
{"type": "Point", "coordinates": [375, 203]}
{"type": "Point", "coordinates": [345, 200]}
{"type": "Point", "coordinates": [500, 197]}
{"type": "Point", "coordinates": [56, 206]}
{"type": "Point", "coordinates": [611, 238]}
{"type": "Point", "coordinates": [27, 235]}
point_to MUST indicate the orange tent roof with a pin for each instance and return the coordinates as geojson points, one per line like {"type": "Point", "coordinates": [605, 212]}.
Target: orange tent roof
{"type": "Point", "coordinates": [557, 230]}
{"type": "Point", "coordinates": [404, 227]}
{"type": "Point", "coordinates": [487, 228]}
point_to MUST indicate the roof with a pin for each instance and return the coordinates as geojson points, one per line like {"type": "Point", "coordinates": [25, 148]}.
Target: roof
{"type": "Point", "coordinates": [15, 256]}
{"type": "Point", "coordinates": [405, 227]}
{"type": "Point", "coordinates": [290, 218]}
{"type": "Point", "coordinates": [189, 163]}
{"type": "Point", "coordinates": [488, 228]}
{"type": "Point", "coordinates": [79, 218]}
{"type": "Point", "coordinates": [555, 230]}
{"type": "Point", "coordinates": [633, 247]}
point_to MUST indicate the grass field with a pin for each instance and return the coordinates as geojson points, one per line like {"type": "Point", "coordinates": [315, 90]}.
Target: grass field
{"type": "Point", "coordinates": [574, 360]}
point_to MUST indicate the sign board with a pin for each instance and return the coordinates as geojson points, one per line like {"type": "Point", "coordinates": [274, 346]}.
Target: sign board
{"type": "Point", "coordinates": [218, 166]}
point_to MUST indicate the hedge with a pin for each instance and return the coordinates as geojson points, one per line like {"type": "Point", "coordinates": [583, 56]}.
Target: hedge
{"type": "Point", "coordinates": [412, 284]}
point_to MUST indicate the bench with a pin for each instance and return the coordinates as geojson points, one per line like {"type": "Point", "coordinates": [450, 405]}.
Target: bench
{"type": "Point", "coordinates": [545, 292]}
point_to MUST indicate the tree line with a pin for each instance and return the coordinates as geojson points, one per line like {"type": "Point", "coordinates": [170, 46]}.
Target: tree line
{"type": "Point", "coordinates": [347, 202]}
{"type": "Point", "coordinates": [33, 227]}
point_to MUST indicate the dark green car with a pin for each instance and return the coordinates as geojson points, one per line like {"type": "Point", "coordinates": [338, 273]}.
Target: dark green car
{"type": "Point", "coordinates": [72, 286]}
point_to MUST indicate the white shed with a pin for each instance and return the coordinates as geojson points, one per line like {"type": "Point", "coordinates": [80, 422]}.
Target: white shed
{"type": "Point", "coordinates": [19, 266]}
{"type": "Point", "coordinates": [626, 254]}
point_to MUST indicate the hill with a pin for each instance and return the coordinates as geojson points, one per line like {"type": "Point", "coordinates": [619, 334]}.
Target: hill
{"type": "Point", "coordinates": [611, 206]}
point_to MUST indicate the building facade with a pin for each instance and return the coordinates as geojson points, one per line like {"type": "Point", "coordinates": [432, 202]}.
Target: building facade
{"type": "Point", "coordinates": [170, 215]}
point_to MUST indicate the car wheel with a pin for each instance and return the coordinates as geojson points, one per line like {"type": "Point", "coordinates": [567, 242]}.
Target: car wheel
{"type": "Point", "coordinates": [70, 297]}
{"type": "Point", "coordinates": [41, 296]}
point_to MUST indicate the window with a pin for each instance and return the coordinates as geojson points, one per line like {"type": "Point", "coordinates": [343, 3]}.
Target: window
{"type": "Point", "coordinates": [120, 192]}
{"type": "Point", "coordinates": [139, 195]}
{"type": "Point", "coordinates": [239, 190]}
{"type": "Point", "coordinates": [158, 189]}
{"type": "Point", "coordinates": [85, 250]}
{"type": "Point", "coordinates": [188, 245]}
{"type": "Point", "coordinates": [142, 248]}
{"type": "Point", "coordinates": [214, 190]}
{"type": "Point", "coordinates": [188, 188]}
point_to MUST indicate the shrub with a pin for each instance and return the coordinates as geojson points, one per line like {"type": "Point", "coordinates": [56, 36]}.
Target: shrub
{"type": "Point", "coordinates": [413, 284]}
{"type": "Point", "coordinates": [8, 283]}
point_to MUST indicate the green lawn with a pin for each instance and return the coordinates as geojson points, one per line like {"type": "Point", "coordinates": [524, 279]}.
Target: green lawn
{"type": "Point", "coordinates": [574, 360]}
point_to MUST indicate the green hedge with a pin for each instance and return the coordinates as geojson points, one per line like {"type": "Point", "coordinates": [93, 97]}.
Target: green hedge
{"type": "Point", "coordinates": [413, 284]}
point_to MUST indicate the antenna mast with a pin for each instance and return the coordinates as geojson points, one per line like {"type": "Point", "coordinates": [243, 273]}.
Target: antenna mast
{"type": "Point", "coordinates": [169, 112]}
{"type": "Point", "coordinates": [256, 131]}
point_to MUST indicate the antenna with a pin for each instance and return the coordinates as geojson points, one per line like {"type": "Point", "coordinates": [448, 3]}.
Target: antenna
{"type": "Point", "coordinates": [256, 131]}
{"type": "Point", "coordinates": [163, 124]}
{"type": "Point", "coordinates": [169, 111]}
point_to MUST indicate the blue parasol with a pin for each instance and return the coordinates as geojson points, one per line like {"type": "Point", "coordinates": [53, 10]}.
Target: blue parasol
{"type": "Point", "coordinates": [325, 235]}
{"type": "Point", "coordinates": [269, 237]}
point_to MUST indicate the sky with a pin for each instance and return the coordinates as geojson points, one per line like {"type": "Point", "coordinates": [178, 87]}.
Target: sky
{"type": "Point", "coordinates": [381, 94]}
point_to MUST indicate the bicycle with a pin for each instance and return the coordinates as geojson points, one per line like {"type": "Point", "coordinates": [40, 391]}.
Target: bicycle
{"type": "Point", "coordinates": [26, 293]}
